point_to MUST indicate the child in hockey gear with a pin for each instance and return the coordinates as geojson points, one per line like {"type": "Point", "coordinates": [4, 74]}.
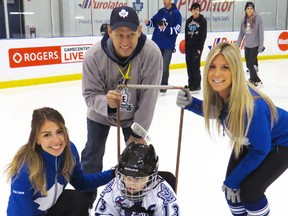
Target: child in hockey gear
{"type": "Point", "coordinates": [137, 188]}
{"type": "Point", "coordinates": [257, 128]}
{"type": "Point", "coordinates": [41, 169]}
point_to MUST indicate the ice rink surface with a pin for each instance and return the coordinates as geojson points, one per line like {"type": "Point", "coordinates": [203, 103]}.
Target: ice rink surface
{"type": "Point", "coordinates": [203, 159]}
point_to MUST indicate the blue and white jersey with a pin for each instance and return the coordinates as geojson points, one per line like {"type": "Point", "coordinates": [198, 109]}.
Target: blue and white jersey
{"type": "Point", "coordinates": [25, 200]}
{"type": "Point", "coordinates": [262, 137]}
{"type": "Point", "coordinates": [160, 201]}
{"type": "Point", "coordinates": [166, 38]}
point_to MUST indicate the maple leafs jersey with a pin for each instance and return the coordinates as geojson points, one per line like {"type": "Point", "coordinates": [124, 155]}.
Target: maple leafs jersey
{"type": "Point", "coordinates": [160, 201]}
{"type": "Point", "coordinates": [25, 200]}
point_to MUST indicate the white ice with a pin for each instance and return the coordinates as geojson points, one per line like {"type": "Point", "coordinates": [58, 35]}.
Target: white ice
{"type": "Point", "coordinates": [203, 160]}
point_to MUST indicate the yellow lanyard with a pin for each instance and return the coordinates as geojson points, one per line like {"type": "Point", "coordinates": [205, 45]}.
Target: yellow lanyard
{"type": "Point", "coordinates": [126, 76]}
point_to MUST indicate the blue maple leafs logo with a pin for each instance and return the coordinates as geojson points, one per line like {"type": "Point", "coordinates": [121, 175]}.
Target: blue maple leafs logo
{"type": "Point", "coordinates": [138, 6]}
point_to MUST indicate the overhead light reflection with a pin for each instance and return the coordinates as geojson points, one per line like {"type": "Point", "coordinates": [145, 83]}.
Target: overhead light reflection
{"type": "Point", "coordinates": [22, 13]}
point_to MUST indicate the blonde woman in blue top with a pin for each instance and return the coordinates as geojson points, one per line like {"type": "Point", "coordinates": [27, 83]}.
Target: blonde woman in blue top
{"type": "Point", "coordinates": [257, 128]}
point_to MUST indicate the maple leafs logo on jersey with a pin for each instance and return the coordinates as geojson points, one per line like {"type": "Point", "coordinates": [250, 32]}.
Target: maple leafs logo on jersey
{"type": "Point", "coordinates": [47, 201]}
{"type": "Point", "coordinates": [165, 194]}
{"type": "Point", "coordinates": [193, 28]}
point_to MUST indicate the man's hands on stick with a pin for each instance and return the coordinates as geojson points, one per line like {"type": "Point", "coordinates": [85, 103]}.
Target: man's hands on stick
{"type": "Point", "coordinates": [113, 98]}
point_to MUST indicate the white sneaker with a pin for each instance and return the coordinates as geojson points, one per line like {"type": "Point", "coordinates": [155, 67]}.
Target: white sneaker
{"type": "Point", "coordinates": [258, 84]}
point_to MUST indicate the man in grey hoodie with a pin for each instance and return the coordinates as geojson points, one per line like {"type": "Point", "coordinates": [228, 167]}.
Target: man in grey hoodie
{"type": "Point", "coordinates": [124, 56]}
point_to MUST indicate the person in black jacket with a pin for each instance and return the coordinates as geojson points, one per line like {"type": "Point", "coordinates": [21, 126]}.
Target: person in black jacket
{"type": "Point", "coordinates": [103, 28]}
{"type": "Point", "coordinates": [195, 36]}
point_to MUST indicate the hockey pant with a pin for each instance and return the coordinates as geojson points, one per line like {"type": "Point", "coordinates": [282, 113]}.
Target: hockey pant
{"type": "Point", "coordinates": [70, 203]}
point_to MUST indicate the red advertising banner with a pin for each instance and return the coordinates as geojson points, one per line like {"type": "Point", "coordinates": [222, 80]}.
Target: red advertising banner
{"type": "Point", "coordinates": [34, 56]}
{"type": "Point", "coordinates": [283, 41]}
{"type": "Point", "coordinates": [37, 56]}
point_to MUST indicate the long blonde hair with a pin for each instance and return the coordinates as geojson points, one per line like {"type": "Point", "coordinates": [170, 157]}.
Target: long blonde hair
{"type": "Point", "coordinates": [240, 102]}
{"type": "Point", "coordinates": [29, 154]}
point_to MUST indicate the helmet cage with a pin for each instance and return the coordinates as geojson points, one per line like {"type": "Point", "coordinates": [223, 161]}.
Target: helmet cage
{"type": "Point", "coordinates": [142, 185]}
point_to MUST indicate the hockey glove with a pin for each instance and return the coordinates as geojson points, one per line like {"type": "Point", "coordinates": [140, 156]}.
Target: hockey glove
{"type": "Point", "coordinates": [184, 98]}
{"type": "Point", "coordinates": [261, 50]}
{"type": "Point", "coordinates": [113, 169]}
{"type": "Point", "coordinates": [232, 194]}
{"type": "Point", "coordinates": [162, 23]}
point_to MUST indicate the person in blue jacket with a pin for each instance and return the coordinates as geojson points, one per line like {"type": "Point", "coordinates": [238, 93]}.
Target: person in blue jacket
{"type": "Point", "coordinates": [167, 25]}
{"type": "Point", "coordinates": [257, 128]}
{"type": "Point", "coordinates": [41, 169]}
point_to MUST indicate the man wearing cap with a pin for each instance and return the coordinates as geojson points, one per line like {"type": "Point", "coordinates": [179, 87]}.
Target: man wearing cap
{"type": "Point", "coordinates": [124, 56]}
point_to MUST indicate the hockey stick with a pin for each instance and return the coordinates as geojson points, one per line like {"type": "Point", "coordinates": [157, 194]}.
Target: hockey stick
{"type": "Point", "coordinates": [118, 131]}
{"type": "Point", "coordinates": [140, 131]}
{"type": "Point", "coordinates": [121, 86]}
{"type": "Point", "coordinates": [140, 86]}
{"type": "Point", "coordinates": [179, 148]}
{"type": "Point", "coordinates": [168, 176]}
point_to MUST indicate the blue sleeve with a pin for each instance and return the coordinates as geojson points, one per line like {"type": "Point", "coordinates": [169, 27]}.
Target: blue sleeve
{"type": "Point", "coordinates": [81, 181]}
{"type": "Point", "coordinates": [21, 196]}
{"type": "Point", "coordinates": [154, 20]}
{"type": "Point", "coordinates": [174, 28]}
{"type": "Point", "coordinates": [260, 144]}
{"type": "Point", "coordinates": [196, 106]}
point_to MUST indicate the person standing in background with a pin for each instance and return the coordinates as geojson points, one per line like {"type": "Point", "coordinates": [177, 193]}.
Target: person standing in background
{"type": "Point", "coordinates": [103, 28]}
{"type": "Point", "coordinates": [252, 29]}
{"type": "Point", "coordinates": [195, 36]}
{"type": "Point", "coordinates": [167, 25]}
{"type": "Point", "coordinates": [123, 56]}
{"type": "Point", "coordinates": [255, 65]}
